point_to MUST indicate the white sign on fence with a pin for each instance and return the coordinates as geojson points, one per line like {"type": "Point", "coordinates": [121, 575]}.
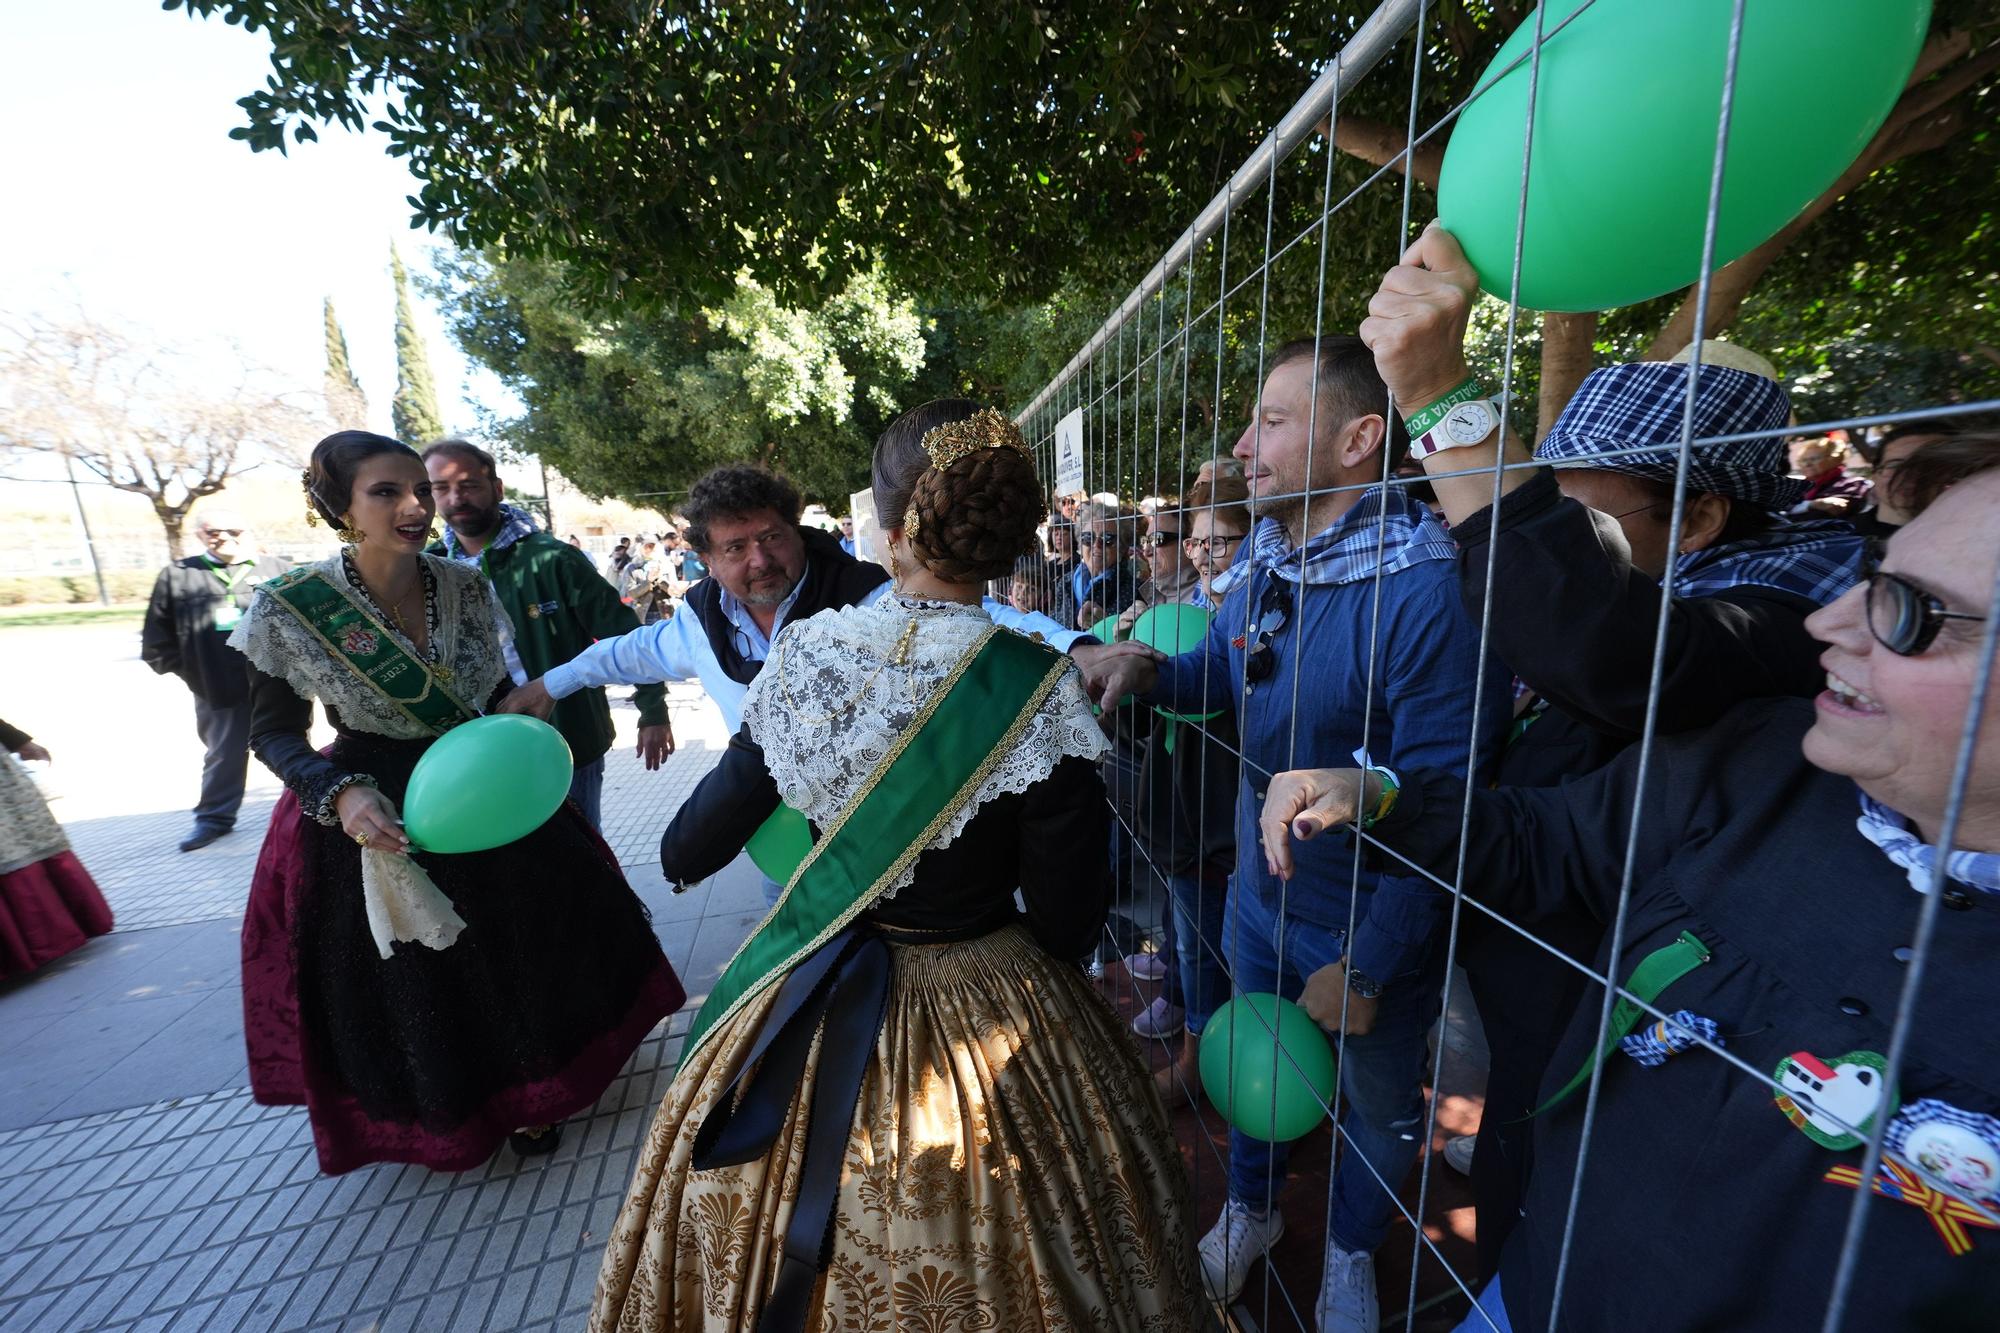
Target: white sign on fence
{"type": "Point", "coordinates": [1069, 454]}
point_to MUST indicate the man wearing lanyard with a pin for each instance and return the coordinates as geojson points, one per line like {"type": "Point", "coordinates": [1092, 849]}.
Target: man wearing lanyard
{"type": "Point", "coordinates": [196, 603]}
{"type": "Point", "coordinates": [556, 606]}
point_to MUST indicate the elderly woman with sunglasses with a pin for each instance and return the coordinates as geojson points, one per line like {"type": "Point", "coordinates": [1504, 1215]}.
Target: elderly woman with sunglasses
{"type": "Point", "coordinates": [1781, 866]}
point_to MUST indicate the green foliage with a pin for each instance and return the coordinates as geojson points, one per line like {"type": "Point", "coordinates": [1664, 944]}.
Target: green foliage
{"type": "Point", "coordinates": [346, 404]}
{"type": "Point", "coordinates": [414, 410]}
{"type": "Point", "coordinates": [639, 405]}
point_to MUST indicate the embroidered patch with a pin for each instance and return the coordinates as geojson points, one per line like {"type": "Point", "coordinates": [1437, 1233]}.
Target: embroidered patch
{"type": "Point", "coordinates": [360, 642]}
{"type": "Point", "coordinates": [1961, 1149]}
{"type": "Point", "coordinates": [1948, 1213]}
{"type": "Point", "coordinates": [1822, 1098]}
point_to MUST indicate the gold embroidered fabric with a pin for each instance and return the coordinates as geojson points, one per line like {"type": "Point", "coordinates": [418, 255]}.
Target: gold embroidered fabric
{"type": "Point", "coordinates": [1009, 1168]}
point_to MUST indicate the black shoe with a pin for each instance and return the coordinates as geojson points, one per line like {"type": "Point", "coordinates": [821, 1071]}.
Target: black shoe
{"type": "Point", "coordinates": [203, 835]}
{"type": "Point", "coordinates": [537, 1142]}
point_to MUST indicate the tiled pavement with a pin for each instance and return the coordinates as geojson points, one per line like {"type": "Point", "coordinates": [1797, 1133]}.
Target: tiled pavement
{"type": "Point", "coordinates": [141, 1188]}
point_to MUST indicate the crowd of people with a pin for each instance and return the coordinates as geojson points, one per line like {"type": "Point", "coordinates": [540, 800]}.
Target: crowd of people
{"type": "Point", "coordinates": [1697, 733]}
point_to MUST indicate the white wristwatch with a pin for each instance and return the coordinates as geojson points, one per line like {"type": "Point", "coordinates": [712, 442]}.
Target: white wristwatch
{"type": "Point", "coordinates": [1466, 424]}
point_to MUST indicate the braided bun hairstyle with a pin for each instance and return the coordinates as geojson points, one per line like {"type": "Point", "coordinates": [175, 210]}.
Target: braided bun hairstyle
{"type": "Point", "coordinates": [976, 516]}
{"type": "Point", "coordinates": [329, 477]}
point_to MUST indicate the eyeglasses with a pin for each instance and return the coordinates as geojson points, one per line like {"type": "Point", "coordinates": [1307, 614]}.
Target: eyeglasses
{"type": "Point", "coordinates": [1261, 660]}
{"type": "Point", "coordinates": [1157, 539]}
{"type": "Point", "coordinates": [1904, 618]}
{"type": "Point", "coordinates": [1217, 543]}
{"type": "Point", "coordinates": [225, 532]}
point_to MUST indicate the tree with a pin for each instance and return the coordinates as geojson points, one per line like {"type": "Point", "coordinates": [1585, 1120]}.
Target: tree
{"type": "Point", "coordinates": [346, 404]}
{"type": "Point", "coordinates": [120, 407]}
{"type": "Point", "coordinates": [414, 410]}
{"type": "Point", "coordinates": [640, 404]}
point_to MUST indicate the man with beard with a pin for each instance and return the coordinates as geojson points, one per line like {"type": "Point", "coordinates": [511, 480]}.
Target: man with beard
{"type": "Point", "coordinates": [765, 571]}
{"type": "Point", "coordinates": [557, 601]}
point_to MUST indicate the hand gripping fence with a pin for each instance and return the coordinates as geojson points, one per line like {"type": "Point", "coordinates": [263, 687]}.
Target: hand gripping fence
{"type": "Point", "coordinates": [1141, 387]}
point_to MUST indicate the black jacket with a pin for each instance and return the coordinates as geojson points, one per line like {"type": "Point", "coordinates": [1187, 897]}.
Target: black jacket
{"type": "Point", "coordinates": [1702, 1208]}
{"type": "Point", "coordinates": [180, 634]}
{"type": "Point", "coordinates": [1575, 620]}
{"type": "Point", "coordinates": [1036, 842]}
{"type": "Point", "coordinates": [833, 578]}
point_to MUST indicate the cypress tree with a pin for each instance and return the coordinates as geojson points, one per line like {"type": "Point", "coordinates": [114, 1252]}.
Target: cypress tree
{"type": "Point", "coordinates": [414, 411]}
{"type": "Point", "coordinates": [346, 404]}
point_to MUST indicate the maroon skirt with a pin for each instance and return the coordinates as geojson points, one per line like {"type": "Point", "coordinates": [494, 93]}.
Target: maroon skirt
{"type": "Point", "coordinates": [47, 909]}
{"type": "Point", "coordinates": [435, 1056]}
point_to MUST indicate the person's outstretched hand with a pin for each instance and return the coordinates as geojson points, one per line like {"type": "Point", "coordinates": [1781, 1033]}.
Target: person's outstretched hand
{"type": "Point", "coordinates": [1303, 804]}
{"type": "Point", "coordinates": [655, 744]}
{"type": "Point", "coordinates": [533, 699]}
{"type": "Point", "coordinates": [1116, 670]}
{"type": "Point", "coordinates": [1417, 317]}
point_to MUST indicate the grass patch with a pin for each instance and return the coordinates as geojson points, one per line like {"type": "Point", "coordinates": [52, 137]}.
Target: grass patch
{"type": "Point", "coordinates": [37, 617]}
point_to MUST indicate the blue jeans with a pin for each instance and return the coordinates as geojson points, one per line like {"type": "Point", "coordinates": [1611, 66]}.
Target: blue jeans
{"type": "Point", "coordinates": [1199, 911]}
{"type": "Point", "coordinates": [1381, 1074]}
{"type": "Point", "coordinates": [586, 788]}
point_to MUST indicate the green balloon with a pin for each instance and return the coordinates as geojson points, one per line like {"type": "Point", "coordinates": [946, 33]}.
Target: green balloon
{"type": "Point", "coordinates": [487, 783]}
{"type": "Point", "coordinates": [1174, 628]}
{"type": "Point", "coordinates": [1105, 630]}
{"type": "Point", "coordinates": [1626, 106]}
{"type": "Point", "coordinates": [1267, 1092]}
{"type": "Point", "coordinates": [780, 843]}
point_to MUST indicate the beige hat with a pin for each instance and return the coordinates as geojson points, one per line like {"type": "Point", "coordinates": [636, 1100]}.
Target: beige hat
{"type": "Point", "coordinates": [1715, 352]}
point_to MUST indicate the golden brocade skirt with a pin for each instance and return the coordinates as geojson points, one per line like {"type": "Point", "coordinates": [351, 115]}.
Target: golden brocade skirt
{"type": "Point", "coordinates": [1009, 1168]}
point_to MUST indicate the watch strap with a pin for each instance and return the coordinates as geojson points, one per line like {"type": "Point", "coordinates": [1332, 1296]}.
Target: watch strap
{"type": "Point", "coordinates": [1418, 423]}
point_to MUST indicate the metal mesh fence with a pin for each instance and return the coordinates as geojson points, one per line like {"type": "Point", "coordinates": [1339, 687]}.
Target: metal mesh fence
{"type": "Point", "coordinates": [1157, 388]}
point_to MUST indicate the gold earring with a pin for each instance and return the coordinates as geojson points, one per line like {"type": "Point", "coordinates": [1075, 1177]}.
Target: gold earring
{"type": "Point", "coordinates": [430, 538]}
{"type": "Point", "coordinates": [350, 536]}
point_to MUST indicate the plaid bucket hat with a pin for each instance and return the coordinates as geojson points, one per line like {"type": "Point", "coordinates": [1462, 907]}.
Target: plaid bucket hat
{"type": "Point", "coordinates": [1640, 406]}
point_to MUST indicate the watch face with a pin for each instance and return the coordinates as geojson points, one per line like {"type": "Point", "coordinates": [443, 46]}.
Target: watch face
{"type": "Point", "coordinates": [1469, 423]}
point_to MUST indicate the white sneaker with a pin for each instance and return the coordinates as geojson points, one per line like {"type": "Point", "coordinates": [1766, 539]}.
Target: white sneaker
{"type": "Point", "coordinates": [1458, 1153]}
{"type": "Point", "coordinates": [1146, 966]}
{"type": "Point", "coordinates": [1347, 1301]}
{"type": "Point", "coordinates": [1160, 1020]}
{"type": "Point", "coordinates": [1236, 1241]}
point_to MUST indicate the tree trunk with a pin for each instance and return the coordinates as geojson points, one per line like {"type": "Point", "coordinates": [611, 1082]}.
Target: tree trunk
{"type": "Point", "coordinates": [1568, 341]}
{"type": "Point", "coordinates": [1929, 115]}
{"type": "Point", "coordinates": [173, 520]}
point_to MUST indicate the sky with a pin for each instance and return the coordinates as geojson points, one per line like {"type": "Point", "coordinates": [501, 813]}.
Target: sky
{"type": "Point", "coordinates": [127, 198]}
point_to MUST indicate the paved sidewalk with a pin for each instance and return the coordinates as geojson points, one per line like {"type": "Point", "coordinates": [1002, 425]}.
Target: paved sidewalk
{"type": "Point", "coordinates": [142, 1188]}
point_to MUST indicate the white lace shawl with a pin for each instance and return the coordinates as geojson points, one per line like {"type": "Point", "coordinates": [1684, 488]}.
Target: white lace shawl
{"type": "Point", "coordinates": [821, 750]}
{"type": "Point", "coordinates": [278, 644]}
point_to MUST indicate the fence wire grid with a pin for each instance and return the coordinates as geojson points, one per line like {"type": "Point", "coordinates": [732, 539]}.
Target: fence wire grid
{"type": "Point", "coordinates": [1157, 385]}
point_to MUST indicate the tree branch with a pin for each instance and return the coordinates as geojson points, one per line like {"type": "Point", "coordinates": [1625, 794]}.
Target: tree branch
{"type": "Point", "coordinates": [1381, 144]}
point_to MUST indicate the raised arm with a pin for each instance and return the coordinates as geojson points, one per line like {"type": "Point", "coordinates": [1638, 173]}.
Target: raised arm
{"type": "Point", "coordinates": [717, 819]}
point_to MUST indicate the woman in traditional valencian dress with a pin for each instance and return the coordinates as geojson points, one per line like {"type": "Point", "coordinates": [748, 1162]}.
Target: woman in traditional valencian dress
{"type": "Point", "coordinates": [421, 1007]}
{"type": "Point", "coordinates": [49, 905]}
{"type": "Point", "coordinates": [903, 1106]}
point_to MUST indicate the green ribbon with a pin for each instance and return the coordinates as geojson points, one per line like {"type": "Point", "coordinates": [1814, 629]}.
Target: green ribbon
{"type": "Point", "coordinates": [1656, 971]}
{"type": "Point", "coordinates": [368, 649]}
{"type": "Point", "coordinates": [965, 729]}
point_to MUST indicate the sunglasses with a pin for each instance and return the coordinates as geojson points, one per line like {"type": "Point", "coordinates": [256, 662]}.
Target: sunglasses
{"type": "Point", "coordinates": [1094, 539]}
{"type": "Point", "coordinates": [1261, 660]}
{"type": "Point", "coordinates": [225, 532]}
{"type": "Point", "coordinates": [1904, 618]}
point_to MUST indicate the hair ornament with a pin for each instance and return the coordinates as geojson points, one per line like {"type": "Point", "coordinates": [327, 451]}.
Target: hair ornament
{"type": "Point", "coordinates": [988, 428]}
{"type": "Point", "coordinates": [312, 505]}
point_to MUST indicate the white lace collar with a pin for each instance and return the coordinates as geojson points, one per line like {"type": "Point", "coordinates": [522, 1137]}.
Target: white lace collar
{"type": "Point", "coordinates": [832, 701]}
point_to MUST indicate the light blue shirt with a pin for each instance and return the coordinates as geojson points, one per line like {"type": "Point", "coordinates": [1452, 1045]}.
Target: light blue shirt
{"type": "Point", "coordinates": [678, 649]}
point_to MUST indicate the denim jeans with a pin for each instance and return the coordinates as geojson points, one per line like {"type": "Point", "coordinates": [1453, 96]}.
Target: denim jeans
{"type": "Point", "coordinates": [586, 788]}
{"type": "Point", "coordinates": [1199, 910]}
{"type": "Point", "coordinates": [1491, 1313]}
{"type": "Point", "coordinates": [1381, 1074]}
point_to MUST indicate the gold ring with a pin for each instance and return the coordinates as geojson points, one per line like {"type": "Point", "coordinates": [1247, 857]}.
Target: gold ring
{"type": "Point", "coordinates": [361, 838]}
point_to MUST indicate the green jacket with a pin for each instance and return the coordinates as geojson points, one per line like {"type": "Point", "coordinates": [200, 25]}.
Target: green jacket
{"type": "Point", "coordinates": [560, 605]}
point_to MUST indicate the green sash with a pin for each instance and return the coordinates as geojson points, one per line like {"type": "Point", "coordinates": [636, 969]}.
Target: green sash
{"type": "Point", "coordinates": [976, 716]}
{"type": "Point", "coordinates": [367, 648]}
